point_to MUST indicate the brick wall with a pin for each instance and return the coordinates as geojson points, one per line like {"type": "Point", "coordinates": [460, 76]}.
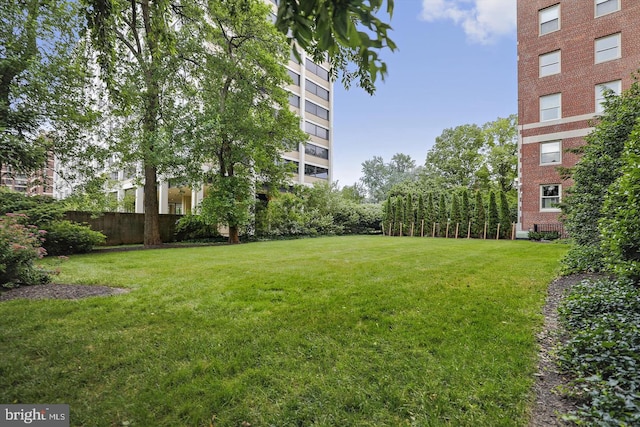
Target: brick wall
{"type": "Point", "coordinates": [576, 82]}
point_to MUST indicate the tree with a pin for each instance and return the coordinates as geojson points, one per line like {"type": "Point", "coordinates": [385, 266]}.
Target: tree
{"type": "Point", "coordinates": [443, 216]}
{"type": "Point", "coordinates": [347, 31]}
{"type": "Point", "coordinates": [465, 209]}
{"type": "Point", "coordinates": [493, 218]}
{"type": "Point", "coordinates": [420, 214]}
{"type": "Point", "coordinates": [144, 51]}
{"type": "Point", "coordinates": [245, 124]}
{"type": "Point", "coordinates": [410, 215]}
{"type": "Point", "coordinates": [479, 217]}
{"type": "Point", "coordinates": [379, 178]}
{"type": "Point", "coordinates": [501, 138]}
{"type": "Point", "coordinates": [456, 157]}
{"type": "Point", "coordinates": [456, 216]}
{"type": "Point", "coordinates": [505, 216]}
{"type": "Point", "coordinates": [398, 215]}
{"type": "Point", "coordinates": [430, 214]}
{"type": "Point", "coordinates": [39, 78]}
{"type": "Point", "coordinates": [355, 193]}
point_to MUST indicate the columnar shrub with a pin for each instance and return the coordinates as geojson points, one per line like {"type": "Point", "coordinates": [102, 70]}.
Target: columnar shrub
{"type": "Point", "coordinates": [492, 216]}
{"type": "Point", "coordinates": [505, 216]}
{"type": "Point", "coordinates": [479, 217]}
{"type": "Point", "coordinates": [410, 215]}
{"type": "Point", "coordinates": [443, 216]}
{"type": "Point", "coordinates": [455, 217]}
{"type": "Point", "coordinates": [430, 214]}
{"type": "Point", "coordinates": [465, 211]}
{"type": "Point", "coordinates": [20, 246]}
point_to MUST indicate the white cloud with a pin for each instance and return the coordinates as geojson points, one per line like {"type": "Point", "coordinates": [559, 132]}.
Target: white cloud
{"type": "Point", "coordinates": [484, 21]}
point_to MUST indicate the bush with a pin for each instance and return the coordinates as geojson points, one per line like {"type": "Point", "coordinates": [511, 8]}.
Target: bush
{"type": "Point", "coordinates": [544, 235]}
{"type": "Point", "coordinates": [66, 238]}
{"type": "Point", "coordinates": [583, 258]}
{"type": "Point", "coordinates": [20, 246]}
{"type": "Point", "coordinates": [602, 319]}
{"type": "Point", "coordinates": [194, 227]}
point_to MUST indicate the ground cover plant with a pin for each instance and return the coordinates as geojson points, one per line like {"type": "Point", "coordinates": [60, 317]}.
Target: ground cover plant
{"type": "Point", "coordinates": [602, 351]}
{"type": "Point", "coordinates": [346, 331]}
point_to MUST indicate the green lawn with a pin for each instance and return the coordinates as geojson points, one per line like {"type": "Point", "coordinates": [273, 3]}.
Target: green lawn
{"type": "Point", "coordinates": [344, 331]}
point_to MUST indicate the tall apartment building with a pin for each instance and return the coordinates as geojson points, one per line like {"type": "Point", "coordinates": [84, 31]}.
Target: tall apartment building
{"type": "Point", "coordinates": [311, 98]}
{"type": "Point", "coordinates": [568, 52]}
{"type": "Point", "coordinates": [39, 183]}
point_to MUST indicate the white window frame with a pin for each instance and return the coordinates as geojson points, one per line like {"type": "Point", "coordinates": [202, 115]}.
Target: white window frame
{"type": "Point", "coordinates": [602, 4]}
{"type": "Point", "coordinates": [550, 63]}
{"type": "Point", "coordinates": [549, 103]}
{"type": "Point", "coordinates": [547, 15]}
{"type": "Point", "coordinates": [547, 145]}
{"type": "Point", "coordinates": [615, 86]}
{"type": "Point", "coordinates": [543, 197]}
{"type": "Point", "coordinates": [603, 49]}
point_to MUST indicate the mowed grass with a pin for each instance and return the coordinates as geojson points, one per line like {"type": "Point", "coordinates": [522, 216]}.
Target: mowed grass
{"type": "Point", "coordinates": [345, 331]}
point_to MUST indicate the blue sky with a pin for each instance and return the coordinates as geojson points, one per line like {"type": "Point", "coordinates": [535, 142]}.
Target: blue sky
{"type": "Point", "coordinates": [455, 64]}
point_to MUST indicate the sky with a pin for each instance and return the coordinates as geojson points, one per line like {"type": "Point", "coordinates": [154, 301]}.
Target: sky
{"type": "Point", "coordinates": [455, 65]}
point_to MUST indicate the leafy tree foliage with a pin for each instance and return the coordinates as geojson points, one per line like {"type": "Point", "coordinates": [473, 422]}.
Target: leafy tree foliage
{"type": "Point", "coordinates": [455, 157]}
{"type": "Point", "coordinates": [501, 163]}
{"type": "Point", "coordinates": [40, 78]}
{"type": "Point", "coordinates": [505, 216]}
{"type": "Point", "coordinates": [599, 167]}
{"type": "Point", "coordinates": [239, 133]}
{"type": "Point", "coordinates": [479, 217]}
{"type": "Point", "coordinates": [620, 225]}
{"type": "Point", "coordinates": [348, 32]}
{"type": "Point", "coordinates": [493, 217]}
{"type": "Point", "coordinates": [379, 178]}
{"type": "Point", "coordinates": [443, 216]}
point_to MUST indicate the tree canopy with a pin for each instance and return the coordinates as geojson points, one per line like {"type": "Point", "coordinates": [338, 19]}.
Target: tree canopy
{"type": "Point", "coordinates": [348, 32]}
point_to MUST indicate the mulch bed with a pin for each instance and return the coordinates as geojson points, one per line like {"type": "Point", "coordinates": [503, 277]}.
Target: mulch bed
{"type": "Point", "coordinates": [56, 291]}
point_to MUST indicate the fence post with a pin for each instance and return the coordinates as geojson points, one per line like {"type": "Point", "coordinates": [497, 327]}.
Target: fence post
{"type": "Point", "coordinates": [484, 234]}
{"type": "Point", "coordinates": [412, 224]}
{"type": "Point", "coordinates": [457, 228]}
{"type": "Point", "coordinates": [513, 231]}
{"type": "Point", "coordinates": [446, 234]}
{"type": "Point", "coordinates": [422, 229]}
{"type": "Point", "coordinates": [469, 230]}
{"type": "Point", "coordinates": [498, 232]}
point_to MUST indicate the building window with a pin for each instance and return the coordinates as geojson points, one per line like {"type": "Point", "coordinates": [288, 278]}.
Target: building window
{"type": "Point", "coordinates": [550, 107]}
{"type": "Point", "coordinates": [550, 153]}
{"type": "Point", "coordinates": [608, 48]}
{"type": "Point", "coordinates": [604, 7]}
{"type": "Point", "coordinates": [295, 77]}
{"type": "Point", "coordinates": [314, 150]}
{"type": "Point", "coordinates": [316, 69]}
{"type": "Point", "coordinates": [550, 63]}
{"type": "Point", "coordinates": [316, 110]}
{"type": "Point", "coordinates": [294, 100]}
{"type": "Point", "coordinates": [550, 197]}
{"type": "Point", "coordinates": [316, 130]}
{"type": "Point", "coordinates": [316, 171]}
{"type": "Point", "coordinates": [602, 88]}
{"type": "Point", "coordinates": [549, 19]}
{"type": "Point", "coordinates": [313, 88]}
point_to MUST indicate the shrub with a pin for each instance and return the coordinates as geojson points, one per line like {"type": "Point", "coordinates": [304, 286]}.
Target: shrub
{"type": "Point", "coordinates": [20, 246]}
{"type": "Point", "coordinates": [544, 235]}
{"type": "Point", "coordinates": [66, 238]}
{"type": "Point", "coordinates": [602, 319]}
{"type": "Point", "coordinates": [195, 227]}
{"type": "Point", "coordinates": [582, 258]}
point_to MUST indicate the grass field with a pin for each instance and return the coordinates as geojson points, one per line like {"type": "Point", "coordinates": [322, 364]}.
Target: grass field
{"type": "Point", "coordinates": [344, 331]}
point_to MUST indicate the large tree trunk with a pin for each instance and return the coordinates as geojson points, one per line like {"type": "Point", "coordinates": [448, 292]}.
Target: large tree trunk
{"type": "Point", "coordinates": [234, 237]}
{"type": "Point", "coordinates": [150, 127]}
{"type": "Point", "coordinates": [151, 215]}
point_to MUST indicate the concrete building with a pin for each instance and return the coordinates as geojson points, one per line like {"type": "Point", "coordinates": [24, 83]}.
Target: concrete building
{"type": "Point", "coordinates": [568, 52]}
{"type": "Point", "coordinates": [40, 183]}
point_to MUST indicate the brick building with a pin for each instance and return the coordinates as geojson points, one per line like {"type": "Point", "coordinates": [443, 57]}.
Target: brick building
{"type": "Point", "coordinates": [568, 51]}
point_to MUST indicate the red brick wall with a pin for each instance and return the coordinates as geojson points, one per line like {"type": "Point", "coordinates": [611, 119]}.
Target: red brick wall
{"type": "Point", "coordinates": [576, 81]}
